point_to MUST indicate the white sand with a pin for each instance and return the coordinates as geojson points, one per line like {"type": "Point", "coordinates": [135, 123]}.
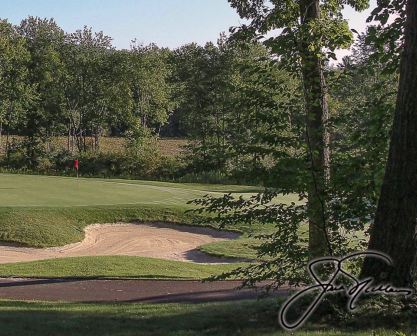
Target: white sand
{"type": "Point", "coordinates": [172, 242]}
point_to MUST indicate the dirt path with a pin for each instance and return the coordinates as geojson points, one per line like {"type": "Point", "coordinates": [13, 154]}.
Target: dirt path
{"type": "Point", "coordinates": [150, 291]}
{"type": "Point", "coordinates": [175, 242]}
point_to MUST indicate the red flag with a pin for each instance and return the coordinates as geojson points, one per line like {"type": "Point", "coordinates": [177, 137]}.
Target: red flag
{"type": "Point", "coordinates": [76, 164]}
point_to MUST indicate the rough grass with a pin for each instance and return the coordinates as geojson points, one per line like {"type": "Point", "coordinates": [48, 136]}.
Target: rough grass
{"type": "Point", "coordinates": [242, 248]}
{"type": "Point", "coordinates": [248, 318]}
{"type": "Point", "coordinates": [114, 266]}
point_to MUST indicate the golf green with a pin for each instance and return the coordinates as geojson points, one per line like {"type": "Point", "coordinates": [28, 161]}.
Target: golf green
{"type": "Point", "coordinates": [51, 191]}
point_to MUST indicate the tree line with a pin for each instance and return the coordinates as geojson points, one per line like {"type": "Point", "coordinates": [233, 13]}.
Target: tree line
{"type": "Point", "coordinates": [78, 85]}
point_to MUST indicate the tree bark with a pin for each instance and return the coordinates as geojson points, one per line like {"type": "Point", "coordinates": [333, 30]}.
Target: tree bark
{"type": "Point", "coordinates": [7, 145]}
{"type": "Point", "coordinates": [97, 136]}
{"type": "Point", "coordinates": [69, 136]}
{"type": "Point", "coordinates": [317, 135]}
{"type": "Point", "coordinates": [394, 229]}
{"type": "Point", "coordinates": [1, 137]}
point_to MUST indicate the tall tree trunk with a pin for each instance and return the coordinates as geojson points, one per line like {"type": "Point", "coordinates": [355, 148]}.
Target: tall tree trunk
{"type": "Point", "coordinates": [83, 135]}
{"type": "Point", "coordinates": [317, 135]}
{"type": "Point", "coordinates": [394, 229]}
{"type": "Point", "coordinates": [7, 145]}
{"type": "Point", "coordinates": [1, 137]}
{"type": "Point", "coordinates": [69, 136]}
{"type": "Point", "coordinates": [73, 140]}
{"type": "Point", "coordinates": [97, 136]}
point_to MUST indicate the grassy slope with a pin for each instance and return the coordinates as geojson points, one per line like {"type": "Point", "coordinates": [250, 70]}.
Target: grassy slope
{"type": "Point", "coordinates": [253, 318]}
{"type": "Point", "coordinates": [114, 266]}
{"type": "Point", "coordinates": [42, 227]}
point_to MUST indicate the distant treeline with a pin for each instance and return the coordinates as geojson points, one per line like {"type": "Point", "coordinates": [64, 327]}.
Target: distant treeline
{"type": "Point", "coordinates": [78, 84]}
{"type": "Point", "coordinates": [243, 112]}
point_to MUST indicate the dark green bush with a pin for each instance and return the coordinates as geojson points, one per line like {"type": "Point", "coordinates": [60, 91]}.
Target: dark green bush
{"type": "Point", "coordinates": [127, 164]}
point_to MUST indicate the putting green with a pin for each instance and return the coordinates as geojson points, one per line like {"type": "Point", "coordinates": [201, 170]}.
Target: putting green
{"type": "Point", "coordinates": [52, 191]}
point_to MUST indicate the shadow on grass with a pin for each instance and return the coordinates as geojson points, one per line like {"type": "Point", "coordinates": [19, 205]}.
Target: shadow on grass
{"type": "Point", "coordinates": [243, 318]}
{"type": "Point", "coordinates": [30, 318]}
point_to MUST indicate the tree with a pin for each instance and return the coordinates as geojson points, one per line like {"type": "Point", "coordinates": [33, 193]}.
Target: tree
{"type": "Point", "coordinates": [15, 92]}
{"type": "Point", "coordinates": [394, 228]}
{"type": "Point", "coordinates": [201, 75]}
{"type": "Point", "coordinates": [363, 103]}
{"type": "Point", "coordinates": [311, 31]}
{"type": "Point", "coordinates": [44, 40]}
{"type": "Point", "coordinates": [88, 84]}
{"type": "Point", "coordinates": [148, 73]}
{"type": "Point", "coordinates": [259, 108]}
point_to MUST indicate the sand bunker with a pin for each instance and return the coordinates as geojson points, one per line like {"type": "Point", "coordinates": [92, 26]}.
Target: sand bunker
{"type": "Point", "coordinates": [173, 242]}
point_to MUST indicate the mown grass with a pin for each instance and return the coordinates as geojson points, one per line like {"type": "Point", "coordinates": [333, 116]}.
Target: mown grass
{"type": "Point", "coordinates": [249, 318]}
{"type": "Point", "coordinates": [53, 191]}
{"type": "Point", "coordinates": [43, 211]}
{"type": "Point", "coordinates": [114, 267]}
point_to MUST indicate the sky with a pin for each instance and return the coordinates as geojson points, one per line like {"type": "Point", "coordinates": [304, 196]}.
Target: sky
{"type": "Point", "coordinates": [168, 23]}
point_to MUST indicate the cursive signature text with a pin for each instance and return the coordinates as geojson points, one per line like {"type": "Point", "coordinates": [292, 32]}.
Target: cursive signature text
{"type": "Point", "coordinates": [330, 286]}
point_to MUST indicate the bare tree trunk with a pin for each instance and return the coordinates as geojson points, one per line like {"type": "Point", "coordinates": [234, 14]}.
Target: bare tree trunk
{"type": "Point", "coordinates": [69, 136]}
{"type": "Point", "coordinates": [394, 228]}
{"type": "Point", "coordinates": [48, 142]}
{"type": "Point", "coordinates": [1, 136]}
{"type": "Point", "coordinates": [7, 145]}
{"type": "Point", "coordinates": [73, 140]}
{"type": "Point", "coordinates": [76, 136]}
{"type": "Point", "coordinates": [83, 141]}
{"type": "Point", "coordinates": [317, 135]}
{"type": "Point", "coordinates": [97, 135]}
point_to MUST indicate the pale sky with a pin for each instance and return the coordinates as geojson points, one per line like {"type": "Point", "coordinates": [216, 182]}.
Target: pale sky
{"type": "Point", "coordinates": [168, 23]}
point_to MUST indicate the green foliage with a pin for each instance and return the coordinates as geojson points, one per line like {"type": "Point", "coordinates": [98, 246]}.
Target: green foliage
{"type": "Point", "coordinates": [364, 96]}
{"type": "Point", "coordinates": [44, 40]}
{"type": "Point", "coordinates": [232, 112]}
{"type": "Point", "coordinates": [144, 164]}
{"type": "Point", "coordinates": [76, 84]}
{"type": "Point", "coordinates": [90, 86]}
{"type": "Point", "coordinates": [362, 101]}
{"type": "Point", "coordinates": [387, 37]}
{"type": "Point", "coordinates": [322, 35]}
{"type": "Point", "coordinates": [148, 73]}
